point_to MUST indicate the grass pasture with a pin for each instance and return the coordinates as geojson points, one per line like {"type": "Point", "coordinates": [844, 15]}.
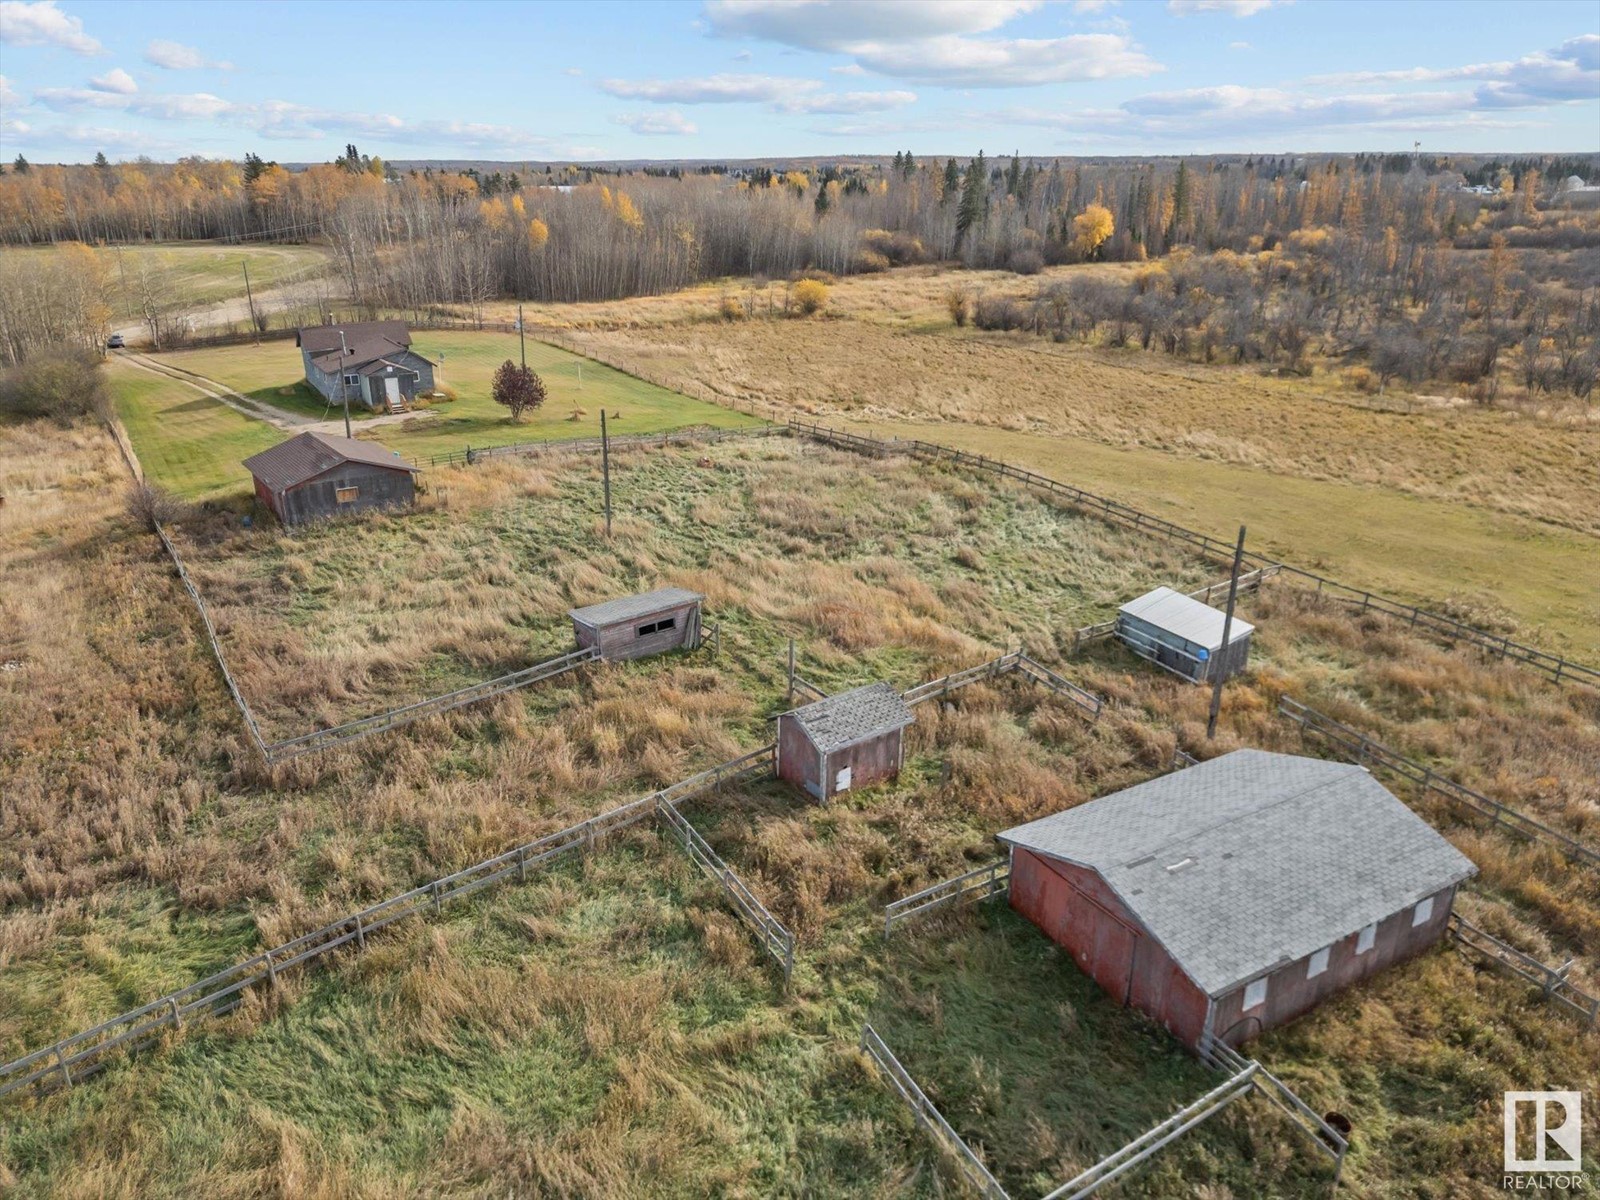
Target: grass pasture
{"type": "Point", "coordinates": [608, 1030]}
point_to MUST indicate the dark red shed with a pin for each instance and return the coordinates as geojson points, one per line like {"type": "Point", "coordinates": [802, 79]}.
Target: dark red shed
{"type": "Point", "coordinates": [846, 741]}
{"type": "Point", "coordinates": [1235, 895]}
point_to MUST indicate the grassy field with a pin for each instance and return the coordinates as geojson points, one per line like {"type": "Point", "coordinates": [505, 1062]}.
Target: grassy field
{"type": "Point", "coordinates": [577, 390]}
{"type": "Point", "coordinates": [608, 1030]}
{"type": "Point", "coordinates": [194, 275]}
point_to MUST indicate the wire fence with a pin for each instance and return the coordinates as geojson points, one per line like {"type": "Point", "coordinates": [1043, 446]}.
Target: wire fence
{"type": "Point", "coordinates": [1364, 750]}
{"type": "Point", "coordinates": [73, 1058]}
{"type": "Point", "coordinates": [1557, 667]}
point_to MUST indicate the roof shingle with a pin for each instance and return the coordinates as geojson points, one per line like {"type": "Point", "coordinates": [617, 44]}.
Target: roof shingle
{"type": "Point", "coordinates": [835, 722]}
{"type": "Point", "coordinates": [309, 454]}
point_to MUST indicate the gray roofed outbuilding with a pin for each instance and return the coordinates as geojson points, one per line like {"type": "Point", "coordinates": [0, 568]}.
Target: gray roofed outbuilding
{"type": "Point", "coordinates": [836, 722]}
{"type": "Point", "coordinates": [308, 455]}
{"type": "Point", "coordinates": [627, 608]}
{"type": "Point", "coordinates": [1185, 617]}
{"type": "Point", "coordinates": [1252, 859]}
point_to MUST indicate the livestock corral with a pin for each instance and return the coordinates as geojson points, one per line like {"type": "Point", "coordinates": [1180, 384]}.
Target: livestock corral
{"type": "Point", "coordinates": [604, 1021]}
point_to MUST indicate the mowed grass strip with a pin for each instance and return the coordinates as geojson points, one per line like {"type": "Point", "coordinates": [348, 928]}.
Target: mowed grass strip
{"type": "Point", "coordinates": [187, 443]}
{"type": "Point", "coordinates": [577, 390]}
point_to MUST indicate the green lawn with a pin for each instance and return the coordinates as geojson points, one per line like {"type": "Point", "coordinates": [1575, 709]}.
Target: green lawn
{"type": "Point", "coordinates": [577, 388]}
{"type": "Point", "coordinates": [187, 443]}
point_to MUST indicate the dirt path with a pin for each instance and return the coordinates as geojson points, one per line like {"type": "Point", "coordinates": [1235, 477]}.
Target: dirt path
{"type": "Point", "coordinates": [284, 419]}
{"type": "Point", "coordinates": [234, 311]}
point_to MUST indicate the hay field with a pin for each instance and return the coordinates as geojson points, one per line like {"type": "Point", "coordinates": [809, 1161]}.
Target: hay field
{"type": "Point", "coordinates": [607, 1030]}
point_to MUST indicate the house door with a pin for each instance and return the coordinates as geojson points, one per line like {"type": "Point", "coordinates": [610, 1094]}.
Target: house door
{"type": "Point", "coordinates": [391, 391]}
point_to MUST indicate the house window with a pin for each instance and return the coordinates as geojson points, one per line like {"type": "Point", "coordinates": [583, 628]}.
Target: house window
{"type": "Point", "coordinates": [1367, 938]}
{"type": "Point", "coordinates": [1317, 964]}
{"type": "Point", "coordinates": [346, 495]}
{"type": "Point", "coordinates": [660, 626]}
{"type": "Point", "coordinates": [841, 782]}
{"type": "Point", "coordinates": [351, 380]}
{"type": "Point", "coordinates": [1255, 994]}
{"type": "Point", "coordinates": [1423, 913]}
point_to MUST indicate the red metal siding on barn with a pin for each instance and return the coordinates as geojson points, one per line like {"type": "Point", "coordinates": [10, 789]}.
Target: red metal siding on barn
{"type": "Point", "coordinates": [1076, 909]}
{"type": "Point", "coordinates": [264, 494]}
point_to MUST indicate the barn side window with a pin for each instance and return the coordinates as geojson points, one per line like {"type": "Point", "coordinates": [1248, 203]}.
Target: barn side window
{"type": "Point", "coordinates": [1423, 913]}
{"type": "Point", "coordinates": [1255, 994]}
{"type": "Point", "coordinates": [346, 495]}
{"type": "Point", "coordinates": [660, 626]}
{"type": "Point", "coordinates": [1318, 963]}
{"type": "Point", "coordinates": [1366, 939]}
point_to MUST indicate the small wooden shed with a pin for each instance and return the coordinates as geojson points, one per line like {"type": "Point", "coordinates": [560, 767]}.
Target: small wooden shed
{"type": "Point", "coordinates": [1183, 635]}
{"type": "Point", "coordinates": [636, 626]}
{"type": "Point", "coordinates": [851, 740]}
{"type": "Point", "coordinates": [317, 475]}
{"type": "Point", "coordinates": [1230, 897]}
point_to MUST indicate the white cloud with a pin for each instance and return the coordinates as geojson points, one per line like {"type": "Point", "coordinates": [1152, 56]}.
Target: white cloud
{"type": "Point", "coordinates": [41, 23]}
{"type": "Point", "coordinates": [1092, 6]}
{"type": "Point", "coordinates": [1570, 72]}
{"type": "Point", "coordinates": [1233, 8]}
{"type": "Point", "coordinates": [657, 124]}
{"type": "Point", "coordinates": [8, 94]}
{"type": "Point", "coordinates": [162, 106]}
{"type": "Point", "coordinates": [709, 89]}
{"type": "Point", "coordinates": [175, 56]}
{"type": "Point", "coordinates": [849, 102]}
{"type": "Point", "coordinates": [115, 80]}
{"type": "Point", "coordinates": [743, 56]}
{"type": "Point", "coordinates": [1239, 46]}
{"type": "Point", "coordinates": [572, 71]}
{"type": "Point", "coordinates": [932, 42]}
{"type": "Point", "coordinates": [848, 69]}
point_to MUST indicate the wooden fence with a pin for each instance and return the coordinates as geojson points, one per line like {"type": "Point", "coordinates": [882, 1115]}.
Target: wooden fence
{"type": "Point", "coordinates": [929, 1117]}
{"type": "Point", "coordinates": [977, 884]}
{"type": "Point", "coordinates": [82, 1054]}
{"type": "Point", "coordinates": [1365, 750]}
{"type": "Point", "coordinates": [1558, 668]}
{"type": "Point", "coordinates": [1552, 981]}
{"type": "Point", "coordinates": [684, 435]}
{"type": "Point", "coordinates": [1017, 661]}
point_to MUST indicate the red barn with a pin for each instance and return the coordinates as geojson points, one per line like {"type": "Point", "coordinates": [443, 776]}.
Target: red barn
{"type": "Point", "coordinates": [1235, 895]}
{"type": "Point", "coordinates": [846, 741]}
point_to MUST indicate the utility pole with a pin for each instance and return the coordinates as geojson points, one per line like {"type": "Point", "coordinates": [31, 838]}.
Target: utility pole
{"type": "Point", "coordinates": [790, 699]}
{"type": "Point", "coordinates": [1227, 629]}
{"type": "Point", "coordinates": [522, 338]}
{"type": "Point", "coordinates": [251, 299]}
{"type": "Point", "coordinates": [344, 390]}
{"type": "Point", "coordinates": [605, 467]}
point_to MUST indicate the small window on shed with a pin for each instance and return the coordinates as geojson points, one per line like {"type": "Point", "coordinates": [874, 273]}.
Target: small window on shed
{"type": "Point", "coordinates": [346, 495]}
{"type": "Point", "coordinates": [660, 626]}
{"type": "Point", "coordinates": [1255, 994]}
{"type": "Point", "coordinates": [1317, 964]}
{"type": "Point", "coordinates": [1422, 913]}
{"type": "Point", "coordinates": [1366, 939]}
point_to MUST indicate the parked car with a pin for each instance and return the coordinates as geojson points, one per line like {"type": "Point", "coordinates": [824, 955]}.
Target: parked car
{"type": "Point", "coordinates": [114, 342]}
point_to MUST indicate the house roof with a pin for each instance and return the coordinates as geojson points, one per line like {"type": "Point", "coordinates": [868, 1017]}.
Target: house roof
{"type": "Point", "coordinates": [629, 608]}
{"type": "Point", "coordinates": [365, 341]}
{"type": "Point", "coordinates": [835, 722]}
{"type": "Point", "coordinates": [308, 455]}
{"type": "Point", "coordinates": [1252, 860]}
{"type": "Point", "coordinates": [1185, 617]}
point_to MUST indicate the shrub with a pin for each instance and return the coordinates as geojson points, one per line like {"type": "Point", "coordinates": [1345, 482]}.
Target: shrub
{"type": "Point", "coordinates": [896, 249]}
{"type": "Point", "coordinates": [1027, 262]}
{"type": "Point", "coordinates": [958, 305]}
{"type": "Point", "coordinates": [868, 261]}
{"type": "Point", "coordinates": [62, 384]}
{"type": "Point", "coordinates": [810, 295]}
{"type": "Point", "coordinates": [730, 309]}
{"type": "Point", "coordinates": [999, 312]}
{"type": "Point", "coordinates": [150, 506]}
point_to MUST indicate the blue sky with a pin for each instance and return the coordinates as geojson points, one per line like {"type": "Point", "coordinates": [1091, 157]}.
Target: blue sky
{"type": "Point", "coordinates": [726, 79]}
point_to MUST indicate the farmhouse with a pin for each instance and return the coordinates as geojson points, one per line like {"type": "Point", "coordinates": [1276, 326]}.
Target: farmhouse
{"type": "Point", "coordinates": [315, 475]}
{"type": "Point", "coordinates": [370, 362]}
{"type": "Point", "coordinates": [1183, 635]}
{"type": "Point", "coordinates": [634, 626]}
{"type": "Point", "coordinates": [1232, 896]}
{"type": "Point", "coordinates": [854, 739]}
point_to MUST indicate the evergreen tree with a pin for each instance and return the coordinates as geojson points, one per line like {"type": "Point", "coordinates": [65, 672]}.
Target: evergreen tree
{"type": "Point", "coordinates": [823, 202]}
{"type": "Point", "coordinates": [1180, 202]}
{"type": "Point", "coordinates": [20, 166]}
{"type": "Point", "coordinates": [952, 181]}
{"type": "Point", "coordinates": [974, 199]}
{"type": "Point", "coordinates": [1014, 174]}
{"type": "Point", "coordinates": [899, 163]}
{"type": "Point", "coordinates": [100, 160]}
{"type": "Point", "coordinates": [909, 167]}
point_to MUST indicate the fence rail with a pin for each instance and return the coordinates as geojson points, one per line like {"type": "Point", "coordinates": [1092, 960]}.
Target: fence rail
{"type": "Point", "coordinates": [1558, 668]}
{"type": "Point", "coordinates": [929, 1117]}
{"type": "Point", "coordinates": [974, 885]}
{"type": "Point", "coordinates": [1552, 981]}
{"type": "Point", "coordinates": [1365, 750]}
{"type": "Point", "coordinates": [73, 1058]}
{"type": "Point", "coordinates": [1017, 661]}
{"type": "Point", "coordinates": [683, 435]}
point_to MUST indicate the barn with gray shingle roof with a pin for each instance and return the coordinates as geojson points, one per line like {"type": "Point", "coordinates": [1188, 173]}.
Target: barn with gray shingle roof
{"type": "Point", "coordinates": [842, 742]}
{"type": "Point", "coordinates": [316, 475]}
{"type": "Point", "coordinates": [1237, 894]}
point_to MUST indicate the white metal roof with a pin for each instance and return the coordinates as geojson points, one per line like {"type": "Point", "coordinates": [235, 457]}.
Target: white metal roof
{"type": "Point", "coordinates": [1252, 859]}
{"type": "Point", "coordinates": [1185, 617]}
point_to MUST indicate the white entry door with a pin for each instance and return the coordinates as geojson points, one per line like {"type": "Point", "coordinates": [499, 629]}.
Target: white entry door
{"type": "Point", "coordinates": [391, 390]}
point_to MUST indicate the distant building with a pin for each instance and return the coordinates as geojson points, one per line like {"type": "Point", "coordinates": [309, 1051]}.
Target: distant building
{"type": "Point", "coordinates": [635, 626]}
{"type": "Point", "coordinates": [1183, 635]}
{"type": "Point", "coordinates": [841, 742]}
{"type": "Point", "coordinates": [315, 475]}
{"type": "Point", "coordinates": [1233, 896]}
{"type": "Point", "coordinates": [372, 365]}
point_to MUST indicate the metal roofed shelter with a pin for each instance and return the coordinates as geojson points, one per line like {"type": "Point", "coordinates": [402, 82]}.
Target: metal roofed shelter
{"type": "Point", "coordinates": [1232, 896]}
{"type": "Point", "coordinates": [851, 740]}
{"type": "Point", "coordinates": [636, 626]}
{"type": "Point", "coordinates": [315, 475]}
{"type": "Point", "coordinates": [1183, 635]}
